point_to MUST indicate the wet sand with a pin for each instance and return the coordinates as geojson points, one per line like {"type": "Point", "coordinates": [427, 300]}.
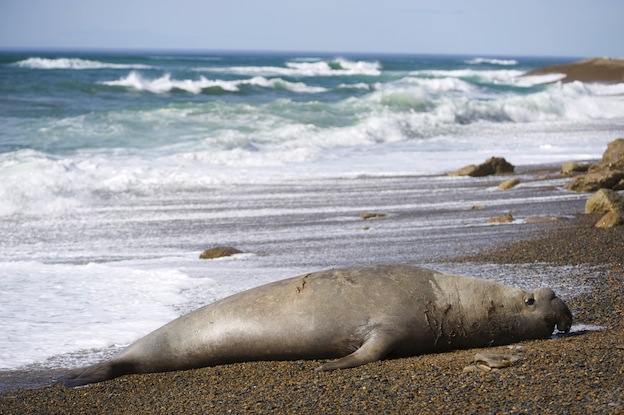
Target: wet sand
{"type": "Point", "coordinates": [580, 373]}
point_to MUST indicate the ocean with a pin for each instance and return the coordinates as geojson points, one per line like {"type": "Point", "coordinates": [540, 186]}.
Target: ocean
{"type": "Point", "coordinates": [118, 169]}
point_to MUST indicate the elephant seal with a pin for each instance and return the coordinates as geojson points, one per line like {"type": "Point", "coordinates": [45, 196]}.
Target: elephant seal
{"type": "Point", "coordinates": [356, 315]}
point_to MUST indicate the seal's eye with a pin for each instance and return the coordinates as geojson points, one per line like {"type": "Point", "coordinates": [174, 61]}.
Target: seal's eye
{"type": "Point", "coordinates": [529, 301]}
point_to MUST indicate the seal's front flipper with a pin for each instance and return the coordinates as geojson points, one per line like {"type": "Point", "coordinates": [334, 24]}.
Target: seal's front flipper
{"type": "Point", "coordinates": [373, 349]}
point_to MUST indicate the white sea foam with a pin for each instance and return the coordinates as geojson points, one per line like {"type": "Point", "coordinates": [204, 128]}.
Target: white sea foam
{"type": "Point", "coordinates": [74, 63]}
{"type": "Point", "coordinates": [47, 309]}
{"type": "Point", "coordinates": [534, 80]}
{"type": "Point", "coordinates": [165, 84]}
{"type": "Point", "coordinates": [504, 76]}
{"type": "Point", "coordinates": [359, 85]}
{"type": "Point", "coordinates": [496, 77]}
{"type": "Point", "coordinates": [585, 327]}
{"type": "Point", "coordinates": [338, 67]}
{"type": "Point", "coordinates": [492, 61]}
{"type": "Point", "coordinates": [575, 101]}
{"type": "Point", "coordinates": [31, 179]}
{"type": "Point", "coordinates": [420, 93]}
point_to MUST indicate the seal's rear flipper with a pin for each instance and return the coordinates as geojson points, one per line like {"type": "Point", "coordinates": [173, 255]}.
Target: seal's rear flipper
{"type": "Point", "coordinates": [373, 349]}
{"type": "Point", "coordinates": [90, 374]}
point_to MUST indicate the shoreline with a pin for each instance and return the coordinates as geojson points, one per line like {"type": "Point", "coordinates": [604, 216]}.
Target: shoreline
{"type": "Point", "coordinates": [571, 374]}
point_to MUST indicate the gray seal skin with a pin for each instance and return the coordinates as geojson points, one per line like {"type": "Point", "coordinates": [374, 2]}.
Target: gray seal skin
{"type": "Point", "coordinates": [356, 315]}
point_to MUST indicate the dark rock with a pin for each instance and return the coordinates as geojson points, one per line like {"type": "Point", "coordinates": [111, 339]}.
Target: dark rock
{"type": "Point", "coordinates": [218, 252]}
{"type": "Point", "coordinates": [493, 165]}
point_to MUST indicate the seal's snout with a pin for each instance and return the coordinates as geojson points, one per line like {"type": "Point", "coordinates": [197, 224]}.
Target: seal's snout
{"type": "Point", "coordinates": [558, 311]}
{"type": "Point", "coordinates": [564, 321]}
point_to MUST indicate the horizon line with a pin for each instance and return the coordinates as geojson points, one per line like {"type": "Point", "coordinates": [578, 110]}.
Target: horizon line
{"type": "Point", "coordinates": [179, 50]}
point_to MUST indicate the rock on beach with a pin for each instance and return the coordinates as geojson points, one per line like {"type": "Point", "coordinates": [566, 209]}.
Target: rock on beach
{"type": "Point", "coordinates": [611, 220]}
{"type": "Point", "coordinates": [605, 201]}
{"type": "Point", "coordinates": [509, 184]}
{"type": "Point", "coordinates": [219, 252]}
{"type": "Point", "coordinates": [493, 165]}
{"type": "Point", "coordinates": [506, 218]}
{"type": "Point", "coordinates": [371, 215]}
{"type": "Point", "coordinates": [571, 167]}
{"type": "Point", "coordinates": [607, 174]}
{"type": "Point", "coordinates": [609, 203]}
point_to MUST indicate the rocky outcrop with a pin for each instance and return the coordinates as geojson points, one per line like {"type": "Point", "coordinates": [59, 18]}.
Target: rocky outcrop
{"type": "Point", "coordinates": [588, 70]}
{"type": "Point", "coordinates": [609, 203]}
{"type": "Point", "coordinates": [218, 252]}
{"type": "Point", "coordinates": [614, 154]}
{"type": "Point", "coordinates": [604, 201]}
{"type": "Point", "coordinates": [493, 165]}
{"type": "Point", "coordinates": [608, 174]}
{"type": "Point", "coordinates": [592, 182]}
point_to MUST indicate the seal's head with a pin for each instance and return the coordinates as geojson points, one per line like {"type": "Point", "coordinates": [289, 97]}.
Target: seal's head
{"type": "Point", "coordinates": [545, 310]}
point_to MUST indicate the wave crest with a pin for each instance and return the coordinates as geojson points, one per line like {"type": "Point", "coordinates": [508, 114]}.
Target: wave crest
{"type": "Point", "coordinates": [492, 61]}
{"type": "Point", "coordinates": [165, 84]}
{"type": "Point", "coordinates": [74, 63]}
{"type": "Point", "coordinates": [336, 67]}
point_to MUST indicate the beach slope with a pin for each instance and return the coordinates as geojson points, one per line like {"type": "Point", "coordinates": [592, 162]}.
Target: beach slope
{"type": "Point", "coordinates": [578, 373]}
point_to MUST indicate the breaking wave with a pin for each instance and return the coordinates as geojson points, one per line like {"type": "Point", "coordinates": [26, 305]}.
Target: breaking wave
{"type": "Point", "coordinates": [74, 63]}
{"type": "Point", "coordinates": [490, 61]}
{"type": "Point", "coordinates": [337, 67]}
{"type": "Point", "coordinates": [165, 84]}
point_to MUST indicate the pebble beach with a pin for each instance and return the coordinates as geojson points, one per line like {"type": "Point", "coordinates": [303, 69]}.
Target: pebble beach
{"type": "Point", "coordinates": [578, 373]}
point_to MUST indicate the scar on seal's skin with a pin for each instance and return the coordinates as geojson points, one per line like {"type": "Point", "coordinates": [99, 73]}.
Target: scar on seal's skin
{"type": "Point", "coordinates": [491, 310]}
{"type": "Point", "coordinates": [435, 326]}
{"type": "Point", "coordinates": [303, 283]}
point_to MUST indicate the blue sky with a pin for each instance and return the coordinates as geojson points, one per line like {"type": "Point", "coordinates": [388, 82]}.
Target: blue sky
{"type": "Point", "coordinates": [572, 28]}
